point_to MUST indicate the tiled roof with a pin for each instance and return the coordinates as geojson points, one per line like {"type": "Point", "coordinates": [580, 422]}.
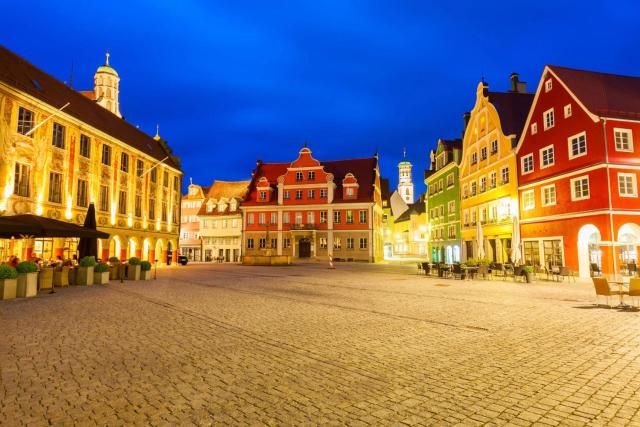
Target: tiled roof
{"type": "Point", "coordinates": [362, 169]}
{"type": "Point", "coordinates": [225, 189]}
{"type": "Point", "coordinates": [513, 109]}
{"type": "Point", "coordinates": [603, 94]}
{"type": "Point", "coordinates": [384, 188]}
{"type": "Point", "coordinates": [25, 77]}
{"type": "Point", "coordinates": [416, 208]}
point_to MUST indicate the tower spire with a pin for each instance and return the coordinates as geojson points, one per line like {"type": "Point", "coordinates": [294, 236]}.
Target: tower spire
{"type": "Point", "coordinates": [157, 137]}
{"type": "Point", "coordinates": [107, 55]}
{"type": "Point", "coordinates": [404, 153]}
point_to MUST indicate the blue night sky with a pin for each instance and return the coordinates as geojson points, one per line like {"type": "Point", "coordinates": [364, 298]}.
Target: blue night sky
{"type": "Point", "coordinates": [235, 81]}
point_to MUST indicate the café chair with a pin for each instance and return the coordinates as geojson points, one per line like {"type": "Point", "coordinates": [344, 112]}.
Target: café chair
{"type": "Point", "coordinates": [603, 288]}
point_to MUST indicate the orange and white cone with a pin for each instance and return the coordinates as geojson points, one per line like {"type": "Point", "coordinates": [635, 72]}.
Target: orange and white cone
{"type": "Point", "coordinates": [331, 262]}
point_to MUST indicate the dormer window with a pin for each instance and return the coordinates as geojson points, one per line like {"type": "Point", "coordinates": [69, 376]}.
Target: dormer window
{"type": "Point", "coordinates": [233, 205]}
{"type": "Point", "coordinates": [350, 192]}
{"type": "Point", "coordinates": [299, 176]}
{"type": "Point", "coordinates": [263, 196]}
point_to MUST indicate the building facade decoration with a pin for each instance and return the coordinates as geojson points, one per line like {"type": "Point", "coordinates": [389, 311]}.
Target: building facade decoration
{"type": "Point", "coordinates": [313, 209]}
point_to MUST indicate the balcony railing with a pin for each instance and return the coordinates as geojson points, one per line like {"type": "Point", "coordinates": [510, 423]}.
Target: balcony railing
{"type": "Point", "coordinates": [303, 226]}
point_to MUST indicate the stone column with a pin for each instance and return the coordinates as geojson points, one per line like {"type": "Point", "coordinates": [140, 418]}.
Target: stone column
{"type": "Point", "coordinates": [279, 248]}
{"type": "Point", "coordinates": [330, 231]}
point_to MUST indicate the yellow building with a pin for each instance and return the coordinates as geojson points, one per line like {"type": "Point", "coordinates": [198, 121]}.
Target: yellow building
{"type": "Point", "coordinates": [410, 237]}
{"type": "Point", "coordinates": [61, 150]}
{"type": "Point", "coordinates": [488, 171]}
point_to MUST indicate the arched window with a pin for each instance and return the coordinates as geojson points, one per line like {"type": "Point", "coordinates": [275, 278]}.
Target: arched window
{"type": "Point", "coordinates": [407, 192]}
{"type": "Point", "coordinates": [108, 93]}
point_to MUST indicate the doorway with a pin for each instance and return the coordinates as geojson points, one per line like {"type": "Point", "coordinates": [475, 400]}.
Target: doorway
{"type": "Point", "coordinates": [304, 248]}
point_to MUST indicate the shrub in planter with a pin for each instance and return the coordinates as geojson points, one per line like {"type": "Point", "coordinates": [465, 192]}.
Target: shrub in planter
{"type": "Point", "coordinates": [145, 270]}
{"type": "Point", "coordinates": [101, 274]}
{"type": "Point", "coordinates": [84, 275]}
{"type": "Point", "coordinates": [114, 260]}
{"type": "Point", "coordinates": [27, 285]}
{"type": "Point", "coordinates": [8, 282]}
{"type": "Point", "coordinates": [133, 269]}
{"type": "Point", "coordinates": [527, 270]}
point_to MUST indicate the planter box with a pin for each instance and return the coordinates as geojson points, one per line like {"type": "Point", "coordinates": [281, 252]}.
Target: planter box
{"type": "Point", "coordinates": [84, 276]}
{"type": "Point", "coordinates": [113, 272]}
{"type": "Point", "coordinates": [145, 275]}
{"type": "Point", "coordinates": [133, 272]}
{"type": "Point", "coordinates": [45, 278]}
{"type": "Point", "coordinates": [61, 277]}
{"type": "Point", "coordinates": [8, 288]}
{"type": "Point", "coordinates": [72, 276]}
{"type": "Point", "coordinates": [122, 272]}
{"type": "Point", "coordinates": [27, 285]}
{"type": "Point", "coordinates": [100, 278]}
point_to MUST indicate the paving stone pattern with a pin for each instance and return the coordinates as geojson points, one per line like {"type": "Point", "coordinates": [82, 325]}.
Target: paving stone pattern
{"type": "Point", "coordinates": [358, 345]}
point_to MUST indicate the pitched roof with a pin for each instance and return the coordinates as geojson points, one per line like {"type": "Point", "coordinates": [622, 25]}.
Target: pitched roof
{"type": "Point", "coordinates": [16, 72]}
{"type": "Point", "coordinates": [513, 109]}
{"type": "Point", "coordinates": [362, 169]}
{"type": "Point", "coordinates": [224, 189]}
{"type": "Point", "coordinates": [606, 95]}
{"type": "Point", "coordinates": [384, 188]}
{"type": "Point", "coordinates": [416, 208]}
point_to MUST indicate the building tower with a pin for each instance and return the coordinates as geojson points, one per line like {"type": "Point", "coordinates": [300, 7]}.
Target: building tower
{"type": "Point", "coordinates": [405, 182]}
{"type": "Point", "coordinates": [106, 86]}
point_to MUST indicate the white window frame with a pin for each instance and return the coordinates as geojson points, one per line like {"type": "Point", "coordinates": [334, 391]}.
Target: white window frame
{"type": "Point", "coordinates": [634, 184]}
{"type": "Point", "coordinates": [569, 142]}
{"type": "Point", "coordinates": [542, 151]}
{"type": "Point", "coordinates": [573, 194]}
{"type": "Point", "coordinates": [567, 111]}
{"type": "Point", "coordinates": [542, 198]}
{"type": "Point", "coordinates": [548, 85]}
{"type": "Point", "coordinates": [523, 163]}
{"type": "Point", "coordinates": [630, 137]}
{"type": "Point", "coordinates": [534, 128]}
{"type": "Point", "coordinates": [544, 119]}
{"type": "Point", "coordinates": [528, 195]}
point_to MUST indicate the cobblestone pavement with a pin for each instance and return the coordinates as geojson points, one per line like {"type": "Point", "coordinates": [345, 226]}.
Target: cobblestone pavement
{"type": "Point", "coordinates": [361, 344]}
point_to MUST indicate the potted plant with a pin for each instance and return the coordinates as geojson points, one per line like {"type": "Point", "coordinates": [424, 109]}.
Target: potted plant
{"type": "Point", "coordinates": [527, 271]}
{"type": "Point", "coordinates": [27, 285]}
{"type": "Point", "coordinates": [145, 270]}
{"type": "Point", "coordinates": [133, 269]}
{"type": "Point", "coordinates": [114, 262]}
{"type": "Point", "coordinates": [84, 275]}
{"type": "Point", "coordinates": [8, 282]}
{"type": "Point", "coordinates": [101, 273]}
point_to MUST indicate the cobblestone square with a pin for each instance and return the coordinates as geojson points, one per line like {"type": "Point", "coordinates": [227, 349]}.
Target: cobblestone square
{"type": "Point", "coordinates": [361, 344]}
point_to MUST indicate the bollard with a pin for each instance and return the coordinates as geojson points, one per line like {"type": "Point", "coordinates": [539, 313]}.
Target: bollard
{"type": "Point", "coordinates": [331, 262]}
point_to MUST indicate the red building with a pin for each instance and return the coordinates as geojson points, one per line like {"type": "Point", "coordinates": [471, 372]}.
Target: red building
{"type": "Point", "coordinates": [309, 208]}
{"type": "Point", "coordinates": [578, 167]}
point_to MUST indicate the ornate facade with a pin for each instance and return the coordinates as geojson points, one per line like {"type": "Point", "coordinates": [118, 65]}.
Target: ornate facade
{"type": "Point", "coordinates": [61, 151]}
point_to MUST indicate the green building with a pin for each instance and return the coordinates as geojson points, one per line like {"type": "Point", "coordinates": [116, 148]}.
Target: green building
{"type": "Point", "coordinates": [443, 201]}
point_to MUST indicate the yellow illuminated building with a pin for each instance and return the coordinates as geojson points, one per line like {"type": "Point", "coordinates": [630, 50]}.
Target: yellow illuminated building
{"type": "Point", "coordinates": [488, 174]}
{"type": "Point", "coordinates": [61, 150]}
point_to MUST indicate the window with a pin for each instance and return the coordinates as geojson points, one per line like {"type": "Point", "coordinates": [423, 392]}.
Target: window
{"type": "Point", "coordinates": [504, 172]}
{"type": "Point", "coordinates": [249, 243]}
{"type": "Point", "coordinates": [57, 138]}
{"type": "Point", "coordinates": [262, 219]}
{"type": "Point", "coordinates": [473, 188]}
{"type": "Point", "coordinates": [311, 194]}
{"type": "Point", "coordinates": [350, 242]}
{"type": "Point", "coordinates": [26, 121]}
{"type": "Point", "coordinates": [122, 202]}
{"type": "Point", "coordinates": [323, 217]}
{"type": "Point", "coordinates": [465, 216]}
{"type": "Point", "coordinates": [299, 176]}
{"type": "Point", "coordinates": [323, 243]}
{"type": "Point", "coordinates": [363, 217]}
{"type": "Point", "coordinates": [363, 243]}
{"type": "Point", "coordinates": [577, 145]}
{"type": "Point", "coordinates": [262, 242]}
{"type": "Point", "coordinates": [85, 146]}
{"type": "Point", "coordinates": [492, 180]}
{"type": "Point", "coordinates": [624, 140]}
{"type": "Point", "coordinates": [298, 218]}
{"type": "Point", "coordinates": [549, 195]}
{"type": "Point", "coordinates": [627, 186]}
{"type": "Point", "coordinates": [483, 184]}
{"type": "Point", "coordinates": [298, 194]}
{"type": "Point", "coordinates": [81, 195]}
{"type": "Point", "coordinates": [55, 187]}
{"type": "Point", "coordinates": [350, 191]}
{"type": "Point", "coordinates": [250, 219]}
{"type": "Point", "coordinates": [451, 207]}
{"type": "Point", "coordinates": [176, 183]}
{"type": "Point", "coordinates": [106, 154]}
{"type": "Point", "coordinates": [153, 175]}
{"type": "Point", "coordinates": [337, 243]}
{"type": "Point", "coordinates": [580, 188]}
{"type": "Point", "coordinates": [138, 205]}
{"type": "Point", "coordinates": [349, 217]}
{"type": "Point", "coordinates": [549, 119]}
{"type": "Point", "coordinates": [286, 217]}
{"type": "Point", "coordinates": [528, 200]}
{"type": "Point", "coordinates": [465, 191]}
{"type": "Point", "coordinates": [311, 176]}
{"type": "Point", "coordinates": [263, 196]}
{"type": "Point", "coordinates": [311, 218]}
{"type": "Point", "coordinates": [336, 217]}
{"type": "Point", "coordinates": [286, 243]}
{"type": "Point", "coordinates": [140, 168]}
{"type": "Point", "coordinates": [483, 153]}
{"type": "Point", "coordinates": [163, 212]}
{"type": "Point", "coordinates": [165, 179]}
{"type": "Point", "coordinates": [494, 146]}
{"type": "Point", "coordinates": [152, 208]}
{"type": "Point", "coordinates": [124, 162]}
{"type": "Point", "coordinates": [323, 193]}
{"type": "Point", "coordinates": [474, 158]}
{"type": "Point", "coordinates": [548, 85]}
{"type": "Point", "coordinates": [22, 177]}
{"type": "Point", "coordinates": [286, 195]}
{"type": "Point", "coordinates": [546, 157]}
{"type": "Point", "coordinates": [104, 198]}
{"type": "Point", "coordinates": [567, 111]}
{"type": "Point", "coordinates": [527, 164]}
{"type": "Point", "coordinates": [450, 180]}
{"type": "Point", "coordinates": [534, 128]}
{"type": "Point", "coordinates": [273, 218]}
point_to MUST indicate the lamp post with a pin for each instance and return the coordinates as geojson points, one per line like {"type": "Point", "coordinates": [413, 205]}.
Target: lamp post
{"type": "Point", "coordinates": [155, 271]}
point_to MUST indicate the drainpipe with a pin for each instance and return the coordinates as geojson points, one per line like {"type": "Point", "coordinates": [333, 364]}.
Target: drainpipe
{"type": "Point", "coordinates": [606, 159]}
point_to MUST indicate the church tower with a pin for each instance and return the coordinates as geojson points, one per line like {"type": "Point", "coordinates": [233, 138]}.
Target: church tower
{"type": "Point", "coordinates": [405, 182]}
{"type": "Point", "coordinates": [106, 87]}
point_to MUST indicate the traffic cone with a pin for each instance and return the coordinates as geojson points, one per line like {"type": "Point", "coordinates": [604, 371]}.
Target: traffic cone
{"type": "Point", "coordinates": [331, 262]}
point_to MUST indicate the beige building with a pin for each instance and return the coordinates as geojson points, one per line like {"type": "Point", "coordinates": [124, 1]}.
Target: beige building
{"type": "Point", "coordinates": [190, 241]}
{"type": "Point", "coordinates": [221, 221]}
{"type": "Point", "coordinates": [61, 150]}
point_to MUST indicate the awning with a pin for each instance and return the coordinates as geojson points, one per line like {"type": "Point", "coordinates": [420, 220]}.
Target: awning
{"type": "Point", "coordinates": [36, 226]}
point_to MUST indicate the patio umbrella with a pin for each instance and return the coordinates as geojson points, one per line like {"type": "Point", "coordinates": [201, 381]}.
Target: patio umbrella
{"type": "Point", "coordinates": [88, 246]}
{"type": "Point", "coordinates": [480, 240]}
{"type": "Point", "coordinates": [516, 254]}
{"type": "Point", "coordinates": [10, 228]}
{"type": "Point", "coordinates": [38, 226]}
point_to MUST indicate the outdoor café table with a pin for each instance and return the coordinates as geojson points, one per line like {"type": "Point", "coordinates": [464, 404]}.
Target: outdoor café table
{"type": "Point", "coordinates": [469, 272]}
{"type": "Point", "coordinates": [620, 285]}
